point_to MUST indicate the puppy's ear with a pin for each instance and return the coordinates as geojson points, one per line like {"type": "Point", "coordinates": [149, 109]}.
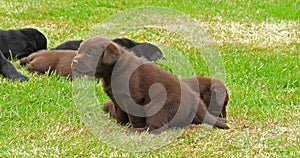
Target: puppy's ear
{"type": "Point", "coordinates": [111, 54]}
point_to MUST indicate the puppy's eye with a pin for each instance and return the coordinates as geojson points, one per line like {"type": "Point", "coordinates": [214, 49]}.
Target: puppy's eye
{"type": "Point", "coordinates": [89, 54]}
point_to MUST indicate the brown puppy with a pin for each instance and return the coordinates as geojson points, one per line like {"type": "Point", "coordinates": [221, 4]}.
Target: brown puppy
{"type": "Point", "coordinates": [212, 92]}
{"type": "Point", "coordinates": [58, 61]}
{"type": "Point", "coordinates": [151, 98]}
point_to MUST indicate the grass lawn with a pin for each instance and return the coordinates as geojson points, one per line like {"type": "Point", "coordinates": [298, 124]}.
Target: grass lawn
{"type": "Point", "coordinates": [259, 42]}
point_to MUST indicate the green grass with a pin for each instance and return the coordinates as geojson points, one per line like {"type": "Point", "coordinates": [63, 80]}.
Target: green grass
{"type": "Point", "coordinates": [40, 118]}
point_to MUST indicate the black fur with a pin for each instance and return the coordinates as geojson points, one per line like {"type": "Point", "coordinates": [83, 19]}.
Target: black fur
{"type": "Point", "coordinates": [68, 45]}
{"type": "Point", "coordinates": [147, 50]}
{"type": "Point", "coordinates": [21, 43]}
{"type": "Point", "coordinates": [8, 70]}
{"type": "Point", "coordinates": [125, 42]}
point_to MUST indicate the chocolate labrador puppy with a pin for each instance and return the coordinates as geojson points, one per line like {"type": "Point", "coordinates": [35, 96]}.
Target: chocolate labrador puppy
{"type": "Point", "coordinates": [21, 43]}
{"type": "Point", "coordinates": [8, 70]}
{"type": "Point", "coordinates": [58, 61]}
{"type": "Point", "coordinates": [150, 97]}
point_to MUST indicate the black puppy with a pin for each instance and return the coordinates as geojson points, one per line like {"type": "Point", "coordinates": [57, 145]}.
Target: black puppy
{"type": "Point", "coordinates": [68, 45]}
{"type": "Point", "coordinates": [125, 42]}
{"type": "Point", "coordinates": [74, 44]}
{"type": "Point", "coordinates": [8, 70]}
{"type": "Point", "coordinates": [149, 51]}
{"type": "Point", "coordinates": [22, 42]}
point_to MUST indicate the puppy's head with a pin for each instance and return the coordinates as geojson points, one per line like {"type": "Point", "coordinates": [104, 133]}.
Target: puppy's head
{"type": "Point", "coordinates": [96, 57]}
{"type": "Point", "coordinates": [36, 37]}
{"type": "Point", "coordinates": [35, 41]}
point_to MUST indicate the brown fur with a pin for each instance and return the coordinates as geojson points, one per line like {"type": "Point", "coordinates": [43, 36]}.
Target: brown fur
{"type": "Point", "coordinates": [58, 61]}
{"type": "Point", "coordinates": [181, 107]}
{"type": "Point", "coordinates": [210, 90]}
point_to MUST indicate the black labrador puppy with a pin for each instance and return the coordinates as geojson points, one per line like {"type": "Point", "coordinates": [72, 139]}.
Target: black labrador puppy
{"type": "Point", "coordinates": [8, 70]}
{"type": "Point", "coordinates": [149, 51]}
{"type": "Point", "coordinates": [22, 42]}
{"type": "Point", "coordinates": [74, 44]}
{"type": "Point", "coordinates": [125, 42]}
{"type": "Point", "coordinates": [68, 45]}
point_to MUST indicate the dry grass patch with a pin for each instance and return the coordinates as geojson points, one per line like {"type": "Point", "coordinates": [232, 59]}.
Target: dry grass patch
{"type": "Point", "coordinates": [258, 35]}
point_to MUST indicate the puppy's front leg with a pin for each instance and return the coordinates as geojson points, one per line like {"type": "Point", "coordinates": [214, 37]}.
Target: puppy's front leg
{"type": "Point", "coordinates": [116, 112]}
{"type": "Point", "coordinates": [122, 117]}
{"type": "Point", "coordinates": [107, 106]}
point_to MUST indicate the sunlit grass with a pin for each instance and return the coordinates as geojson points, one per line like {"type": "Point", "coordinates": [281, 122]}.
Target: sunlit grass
{"type": "Point", "coordinates": [40, 118]}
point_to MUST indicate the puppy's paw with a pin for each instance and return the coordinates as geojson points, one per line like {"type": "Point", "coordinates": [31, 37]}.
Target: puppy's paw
{"type": "Point", "coordinates": [21, 78]}
{"type": "Point", "coordinates": [107, 105]}
{"type": "Point", "coordinates": [133, 130]}
{"type": "Point", "coordinates": [222, 119]}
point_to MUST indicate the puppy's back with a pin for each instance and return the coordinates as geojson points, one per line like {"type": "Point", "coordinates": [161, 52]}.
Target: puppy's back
{"type": "Point", "coordinates": [63, 66]}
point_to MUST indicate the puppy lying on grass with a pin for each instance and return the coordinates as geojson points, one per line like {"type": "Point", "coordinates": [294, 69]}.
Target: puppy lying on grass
{"type": "Point", "coordinates": [59, 60]}
{"type": "Point", "coordinates": [75, 44]}
{"type": "Point", "coordinates": [68, 45]}
{"type": "Point", "coordinates": [21, 42]}
{"type": "Point", "coordinates": [151, 98]}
